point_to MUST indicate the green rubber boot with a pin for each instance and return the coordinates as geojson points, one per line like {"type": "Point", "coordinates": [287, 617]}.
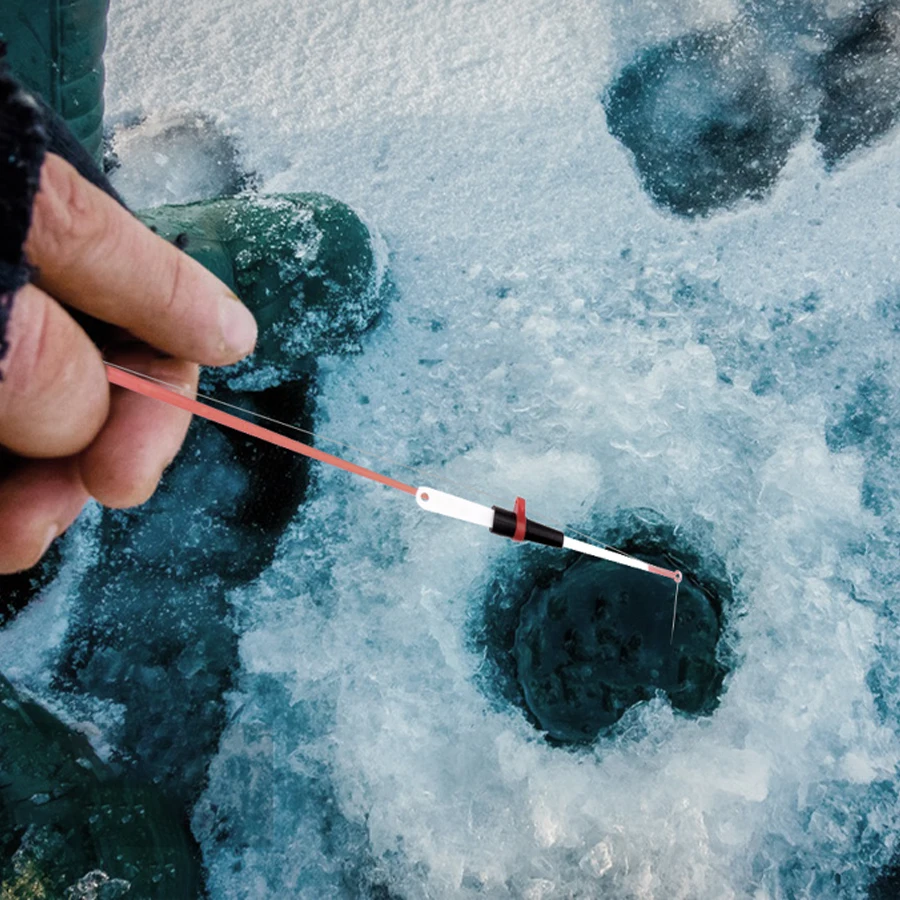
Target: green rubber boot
{"type": "Point", "coordinates": [55, 48]}
{"type": "Point", "coordinates": [70, 824]}
{"type": "Point", "coordinates": [307, 266]}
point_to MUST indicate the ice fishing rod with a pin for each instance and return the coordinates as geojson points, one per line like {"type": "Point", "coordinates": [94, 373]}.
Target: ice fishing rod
{"type": "Point", "coordinates": [507, 523]}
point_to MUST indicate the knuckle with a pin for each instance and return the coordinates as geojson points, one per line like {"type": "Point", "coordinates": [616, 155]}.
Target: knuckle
{"type": "Point", "coordinates": [66, 220]}
{"type": "Point", "coordinates": [172, 301]}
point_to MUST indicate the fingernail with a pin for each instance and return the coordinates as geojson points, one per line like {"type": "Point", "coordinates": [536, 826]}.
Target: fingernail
{"type": "Point", "coordinates": [52, 535]}
{"type": "Point", "coordinates": [238, 325]}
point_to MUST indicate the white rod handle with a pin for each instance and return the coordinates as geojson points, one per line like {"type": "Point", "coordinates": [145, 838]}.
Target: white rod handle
{"type": "Point", "coordinates": [454, 507]}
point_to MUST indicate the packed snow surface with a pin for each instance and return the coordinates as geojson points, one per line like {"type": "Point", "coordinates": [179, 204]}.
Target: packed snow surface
{"type": "Point", "coordinates": [559, 336]}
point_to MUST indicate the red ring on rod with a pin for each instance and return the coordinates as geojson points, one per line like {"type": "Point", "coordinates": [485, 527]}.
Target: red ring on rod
{"type": "Point", "coordinates": [521, 521]}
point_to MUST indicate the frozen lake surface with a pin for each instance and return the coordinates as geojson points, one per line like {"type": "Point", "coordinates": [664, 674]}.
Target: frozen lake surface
{"type": "Point", "coordinates": [605, 307]}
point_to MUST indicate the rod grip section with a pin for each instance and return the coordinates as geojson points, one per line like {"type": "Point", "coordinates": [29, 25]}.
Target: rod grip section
{"type": "Point", "coordinates": [454, 507]}
{"type": "Point", "coordinates": [505, 521]}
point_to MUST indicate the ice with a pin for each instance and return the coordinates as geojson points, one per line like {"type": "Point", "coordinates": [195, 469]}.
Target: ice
{"type": "Point", "coordinates": [557, 335]}
{"type": "Point", "coordinates": [31, 642]}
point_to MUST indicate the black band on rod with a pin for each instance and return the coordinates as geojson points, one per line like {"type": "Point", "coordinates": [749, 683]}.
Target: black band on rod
{"type": "Point", "coordinates": [505, 526]}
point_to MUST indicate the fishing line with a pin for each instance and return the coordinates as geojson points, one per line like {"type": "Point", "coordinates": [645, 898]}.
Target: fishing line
{"type": "Point", "coordinates": [674, 614]}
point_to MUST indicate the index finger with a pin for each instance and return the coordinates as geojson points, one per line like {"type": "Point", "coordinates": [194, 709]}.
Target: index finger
{"type": "Point", "coordinates": [92, 254]}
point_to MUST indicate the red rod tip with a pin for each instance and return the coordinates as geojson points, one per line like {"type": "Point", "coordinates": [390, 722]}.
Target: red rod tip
{"type": "Point", "coordinates": [666, 573]}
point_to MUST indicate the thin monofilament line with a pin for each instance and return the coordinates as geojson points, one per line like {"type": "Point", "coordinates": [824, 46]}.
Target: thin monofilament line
{"type": "Point", "coordinates": [474, 489]}
{"type": "Point", "coordinates": [319, 437]}
{"type": "Point", "coordinates": [674, 614]}
{"type": "Point", "coordinates": [155, 391]}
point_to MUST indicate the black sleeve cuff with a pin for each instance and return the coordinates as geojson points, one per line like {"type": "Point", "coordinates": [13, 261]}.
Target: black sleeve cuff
{"type": "Point", "coordinates": [23, 145]}
{"type": "Point", "coordinates": [29, 130]}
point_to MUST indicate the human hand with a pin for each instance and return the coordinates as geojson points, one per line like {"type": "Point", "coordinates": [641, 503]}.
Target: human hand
{"type": "Point", "coordinates": [69, 436]}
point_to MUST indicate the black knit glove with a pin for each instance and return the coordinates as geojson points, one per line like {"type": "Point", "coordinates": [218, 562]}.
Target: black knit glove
{"type": "Point", "coordinates": [23, 144]}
